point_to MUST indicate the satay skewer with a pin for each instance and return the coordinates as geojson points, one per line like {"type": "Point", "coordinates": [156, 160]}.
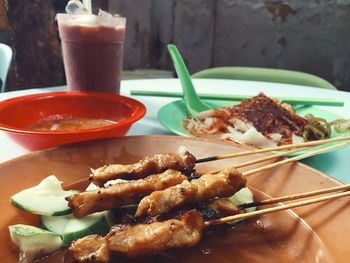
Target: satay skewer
{"type": "Point", "coordinates": [229, 219]}
{"type": "Point", "coordinates": [293, 159]}
{"type": "Point", "coordinates": [221, 185]}
{"type": "Point", "coordinates": [314, 151]}
{"type": "Point", "coordinates": [270, 149]}
{"type": "Point", "coordinates": [184, 163]}
{"type": "Point", "coordinates": [159, 236]}
{"type": "Point", "coordinates": [262, 159]}
{"type": "Point", "coordinates": [147, 205]}
{"type": "Point", "coordinates": [295, 196]}
{"type": "Point", "coordinates": [267, 158]}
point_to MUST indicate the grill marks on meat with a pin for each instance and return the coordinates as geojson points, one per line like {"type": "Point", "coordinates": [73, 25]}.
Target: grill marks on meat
{"type": "Point", "coordinates": [124, 193]}
{"type": "Point", "coordinates": [143, 239]}
{"type": "Point", "coordinates": [153, 238]}
{"type": "Point", "coordinates": [208, 186]}
{"type": "Point", "coordinates": [150, 165]}
{"type": "Point", "coordinates": [168, 188]}
{"type": "Point", "coordinates": [268, 116]}
{"type": "Point", "coordinates": [160, 202]}
{"type": "Point", "coordinates": [213, 209]}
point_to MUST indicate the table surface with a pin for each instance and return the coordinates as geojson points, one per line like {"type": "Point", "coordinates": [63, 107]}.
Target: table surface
{"type": "Point", "coordinates": [333, 163]}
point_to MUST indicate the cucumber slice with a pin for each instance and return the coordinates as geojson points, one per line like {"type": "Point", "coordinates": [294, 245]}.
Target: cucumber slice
{"type": "Point", "coordinates": [71, 228]}
{"type": "Point", "coordinates": [243, 196]}
{"type": "Point", "coordinates": [46, 198]}
{"type": "Point", "coordinates": [34, 242]}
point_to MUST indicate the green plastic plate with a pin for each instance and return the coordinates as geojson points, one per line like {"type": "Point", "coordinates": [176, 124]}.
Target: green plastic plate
{"type": "Point", "coordinates": [171, 116]}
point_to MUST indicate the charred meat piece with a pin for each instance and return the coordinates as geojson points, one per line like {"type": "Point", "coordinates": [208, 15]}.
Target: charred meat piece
{"type": "Point", "coordinates": [208, 186]}
{"type": "Point", "coordinates": [213, 209]}
{"type": "Point", "coordinates": [124, 193]}
{"type": "Point", "coordinates": [90, 249]}
{"type": "Point", "coordinates": [150, 165]}
{"type": "Point", "coordinates": [142, 239]}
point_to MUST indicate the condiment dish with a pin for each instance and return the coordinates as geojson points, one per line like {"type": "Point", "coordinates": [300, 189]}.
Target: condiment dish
{"type": "Point", "coordinates": [19, 115]}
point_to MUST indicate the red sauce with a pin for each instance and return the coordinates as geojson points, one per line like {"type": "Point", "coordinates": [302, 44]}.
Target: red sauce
{"type": "Point", "coordinates": [69, 124]}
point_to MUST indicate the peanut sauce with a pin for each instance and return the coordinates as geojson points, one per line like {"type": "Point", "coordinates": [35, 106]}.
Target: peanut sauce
{"type": "Point", "coordinates": [69, 124]}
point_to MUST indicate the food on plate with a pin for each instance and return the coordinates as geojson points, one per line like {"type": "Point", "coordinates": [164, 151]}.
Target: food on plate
{"type": "Point", "coordinates": [259, 121]}
{"type": "Point", "coordinates": [316, 128]}
{"type": "Point", "coordinates": [319, 129]}
{"type": "Point", "coordinates": [159, 207]}
{"type": "Point", "coordinates": [206, 187]}
{"type": "Point", "coordinates": [71, 228]}
{"type": "Point", "coordinates": [46, 198]}
{"type": "Point", "coordinates": [141, 239]}
{"type": "Point", "coordinates": [69, 124]}
{"type": "Point", "coordinates": [147, 166]}
{"type": "Point", "coordinates": [122, 193]}
{"type": "Point", "coordinates": [342, 125]}
{"type": "Point", "coordinates": [93, 248]}
{"type": "Point", "coordinates": [33, 242]}
{"type": "Point", "coordinates": [223, 206]}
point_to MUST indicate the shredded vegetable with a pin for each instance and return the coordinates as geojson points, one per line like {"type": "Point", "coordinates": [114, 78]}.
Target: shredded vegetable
{"type": "Point", "coordinates": [319, 129]}
{"type": "Point", "coordinates": [316, 129]}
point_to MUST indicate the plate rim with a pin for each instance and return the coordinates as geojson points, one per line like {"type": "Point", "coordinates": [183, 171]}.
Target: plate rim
{"type": "Point", "coordinates": [166, 137]}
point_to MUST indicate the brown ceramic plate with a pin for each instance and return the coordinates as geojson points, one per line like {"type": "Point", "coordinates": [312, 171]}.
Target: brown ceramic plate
{"type": "Point", "coordinates": [317, 233]}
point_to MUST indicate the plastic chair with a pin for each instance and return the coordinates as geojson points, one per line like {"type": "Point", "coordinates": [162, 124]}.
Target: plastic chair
{"type": "Point", "coordinates": [5, 62]}
{"type": "Point", "coordinates": [266, 75]}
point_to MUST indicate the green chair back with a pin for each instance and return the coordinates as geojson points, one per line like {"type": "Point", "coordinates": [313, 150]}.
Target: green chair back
{"type": "Point", "coordinates": [266, 75]}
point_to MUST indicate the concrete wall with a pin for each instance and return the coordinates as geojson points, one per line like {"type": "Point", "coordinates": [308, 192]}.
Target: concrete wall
{"type": "Point", "coordinates": [306, 35]}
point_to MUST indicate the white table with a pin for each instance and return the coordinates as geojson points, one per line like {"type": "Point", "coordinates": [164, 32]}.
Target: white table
{"type": "Point", "coordinates": [334, 163]}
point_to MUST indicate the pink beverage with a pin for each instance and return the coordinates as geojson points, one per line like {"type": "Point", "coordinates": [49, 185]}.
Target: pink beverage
{"type": "Point", "coordinates": [92, 51]}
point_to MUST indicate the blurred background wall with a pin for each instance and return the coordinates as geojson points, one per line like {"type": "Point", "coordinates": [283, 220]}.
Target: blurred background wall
{"type": "Point", "coordinates": [307, 35]}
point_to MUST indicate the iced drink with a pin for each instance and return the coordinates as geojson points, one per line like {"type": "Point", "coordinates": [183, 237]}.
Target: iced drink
{"type": "Point", "coordinates": [92, 51]}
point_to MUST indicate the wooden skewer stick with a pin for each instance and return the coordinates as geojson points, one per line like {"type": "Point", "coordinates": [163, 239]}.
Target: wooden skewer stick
{"type": "Point", "coordinates": [293, 159]}
{"type": "Point", "coordinates": [266, 158]}
{"type": "Point", "coordinates": [277, 148]}
{"type": "Point", "coordinates": [275, 209]}
{"type": "Point", "coordinates": [295, 196]}
{"type": "Point", "coordinates": [259, 160]}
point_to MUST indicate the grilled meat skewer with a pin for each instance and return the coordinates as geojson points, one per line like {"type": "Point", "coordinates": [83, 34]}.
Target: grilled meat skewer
{"type": "Point", "coordinates": [208, 186]}
{"type": "Point", "coordinates": [142, 239]}
{"type": "Point", "coordinates": [124, 193]}
{"type": "Point", "coordinates": [150, 165]}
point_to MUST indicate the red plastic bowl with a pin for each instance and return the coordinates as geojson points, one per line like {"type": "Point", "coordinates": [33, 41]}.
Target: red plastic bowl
{"type": "Point", "coordinates": [19, 113]}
